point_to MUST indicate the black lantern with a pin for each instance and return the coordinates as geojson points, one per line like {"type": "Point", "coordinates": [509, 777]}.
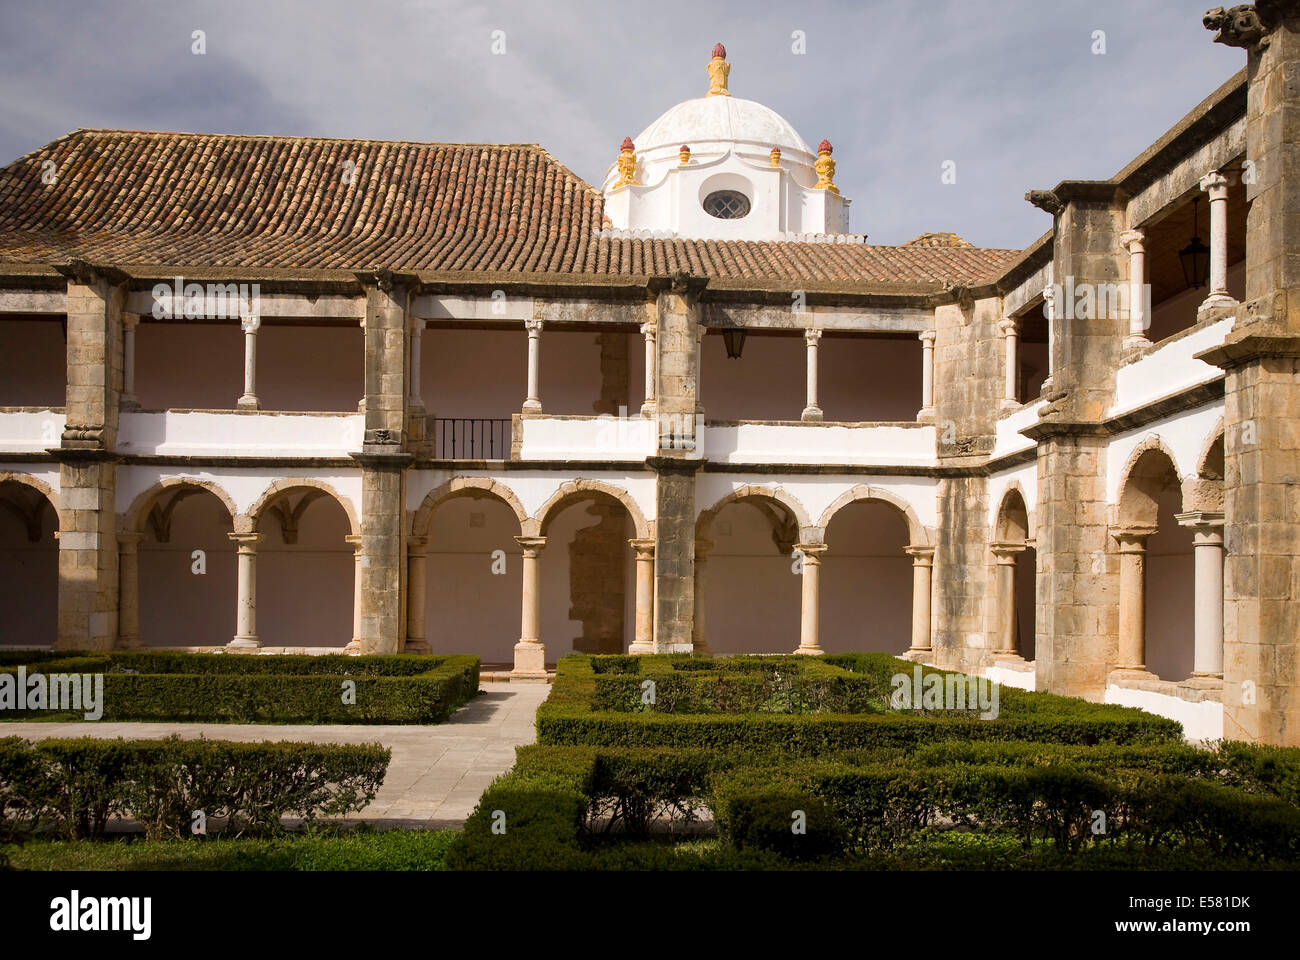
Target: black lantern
{"type": "Point", "coordinates": [734, 339]}
{"type": "Point", "coordinates": [1195, 256]}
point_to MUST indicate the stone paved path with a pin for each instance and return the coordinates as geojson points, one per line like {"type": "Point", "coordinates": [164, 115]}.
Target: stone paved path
{"type": "Point", "coordinates": [435, 776]}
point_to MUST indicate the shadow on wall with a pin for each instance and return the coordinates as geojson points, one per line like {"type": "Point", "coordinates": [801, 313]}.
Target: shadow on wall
{"type": "Point", "coordinates": [29, 567]}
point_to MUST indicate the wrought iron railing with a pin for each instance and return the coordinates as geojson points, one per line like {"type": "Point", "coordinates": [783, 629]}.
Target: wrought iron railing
{"type": "Point", "coordinates": [472, 438]}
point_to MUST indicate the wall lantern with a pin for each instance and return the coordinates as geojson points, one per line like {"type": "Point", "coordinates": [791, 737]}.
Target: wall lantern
{"type": "Point", "coordinates": [734, 339]}
{"type": "Point", "coordinates": [1195, 257]}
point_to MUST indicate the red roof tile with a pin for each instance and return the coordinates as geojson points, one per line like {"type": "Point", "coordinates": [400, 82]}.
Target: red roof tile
{"type": "Point", "coordinates": [139, 199]}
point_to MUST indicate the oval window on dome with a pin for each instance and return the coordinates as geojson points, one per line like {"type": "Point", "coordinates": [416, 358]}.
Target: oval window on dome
{"type": "Point", "coordinates": [726, 204]}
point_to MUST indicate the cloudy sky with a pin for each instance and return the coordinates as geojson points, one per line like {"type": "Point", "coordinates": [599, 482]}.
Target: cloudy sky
{"type": "Point", "coordinates": [1011, 92]}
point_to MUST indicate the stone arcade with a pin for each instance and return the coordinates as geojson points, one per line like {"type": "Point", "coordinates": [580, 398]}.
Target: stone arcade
{"type": "Point", "coordinates": [479, 406]}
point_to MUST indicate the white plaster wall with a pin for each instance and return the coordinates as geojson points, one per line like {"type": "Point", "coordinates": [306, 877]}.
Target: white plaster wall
{"type": "Point", "coordinates": [1185, 434]}
{"type": "Point", "coordinates": [240, 434]}
{"type": "Point", "coordinates": [1201, 721]}
{"type": "Point", "coordinates": [1006, 677]}
{"type": "Point", "coordinates": [33, 363]}
{"type": "Point", "coordinates": [602, 438]}
{"type": "Point", "coordinates": [244, 485]}
{"type": "Point", "coordinates": [1009, 439]}
{"type": "Point", "coordinates": [31, 431]}
{"type": "Point", "coordinates": [799, 443]}
{"type": "Point", "coordinates": [1168, 369]}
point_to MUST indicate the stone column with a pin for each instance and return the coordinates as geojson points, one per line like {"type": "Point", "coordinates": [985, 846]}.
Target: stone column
{"type": "Point", "coordinates": [1010, 337]}
{"type": "Point", "coordinates": [644, 641]}
{"type": "Point", "coordinates": [1132, 596]}
{"type": "Point", "coordinates": [812, 411]}
{"type": "Point", "coordinates": [246, 612]}
{"type": "Point", "coordinates": [249, 400]}
{"type": "Point", "coordinates": [130, 321]}
{"type": "Point", "coordinates": [810, 608]}
{"type": "Point", "coordinates": [927, 374]}
{"type": "Point", "coordinates": [128, 570]}
{"type": "Point", "coordinates": [417, 339]}
{"type": "Point", "coordinates": [922, 568]}
{"type": "Point", "coordinates": [1216, 185]}
{"type": "Point", "coordinates": [700, 331]}
{"type": "Point", "coordinates": [1005, 554]}
{"type": "Point", "coordinates": [532, 403]}
{"type": "Point", "coordinates": [1207, 546]}
{"type": "Point", "coordinates": [416, 589]}
{"type": "Point", "coordinates": [354, 645]}
{"type": "Point", "coordinates": [530, 652]}
{"type": "Point", "coordinates": [648, 331]}
{"type": "Point", "coordinates": [699, 632]}
{"type": "Point", "coordinates": [1134, 241]}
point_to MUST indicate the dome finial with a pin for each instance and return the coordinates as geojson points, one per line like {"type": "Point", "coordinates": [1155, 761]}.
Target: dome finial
{"type": "Point", "coordinates": [825, 168]}
{"type": "Point", "coordinates": [626, 163]}
{"type": "Point", "coordinates": [719, 70]}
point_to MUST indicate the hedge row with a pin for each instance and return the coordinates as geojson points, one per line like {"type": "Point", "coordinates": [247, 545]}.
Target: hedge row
{"type": "Point", "coordinates": [270, 688]}
{"type": "Point", "coordinates": [572, 715]}
{"type": "Point", "coordinates": [846, 808]}
{"type": "Point", "coordinates": [1169, 803]}
{"type": "Point", "coordinates": [76, 786]}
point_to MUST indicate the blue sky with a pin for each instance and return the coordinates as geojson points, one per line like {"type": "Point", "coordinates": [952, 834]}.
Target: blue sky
{"type": "Point", "coordinates": [1011, 92]}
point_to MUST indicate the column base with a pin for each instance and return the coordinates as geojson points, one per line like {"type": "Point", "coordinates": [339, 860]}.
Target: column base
{"type": "Point", "coordinates": [353, 648]}
{"type": "Point", "coordinates": [1215, 301]}
{"type": "Point", "coordinates": [129, 643]}
{"type": "Point", "coordinates": [530, 660]}
{"type": "Point", "coordinates": [813, 414]}
{"type": "Point", "coordinates": [1007, 656]}
{"type": "Point", "coordinates": [648, 408]}
{"type": "Point", "coordinates": [417, 645]}
{"type": "Point", "coordinates": [244, 643]}
{"type": "Point", "coordinates": [925, 413]}
{"type": "Point", "coordinates": [1007, 404]}
{"type": "Point", "coordinates": [700, 648]}
{"type": "Point", "coordinates": [809, 651]}
{"type": "Point", "coordinates": [532, 406]}
{"type": "Point", "coordinates": [1131, 672]}
{"type": "Point", "coordinates": [248, 402]}
{"type": "Point", "coordinates": [1135, 342]}
{"type": "Point", "coordinates": [128, 403]}
{"type": "Point", "coordinates": [641, 646]}
{"type": "Point", "coordinates": [917, 654]}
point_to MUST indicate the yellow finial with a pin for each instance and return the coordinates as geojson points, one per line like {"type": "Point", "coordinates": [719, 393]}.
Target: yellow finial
{"type": "Point", "coordinates": [719, 69]}
{"type": "Point", "coordinates": [626, 163]}
{"type": "Point", "coordinates": [825, 168]}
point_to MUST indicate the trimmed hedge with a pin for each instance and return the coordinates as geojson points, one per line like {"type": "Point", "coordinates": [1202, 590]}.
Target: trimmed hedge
{"type": "Point", "coordinates": [227, 688]}
{"type": "Point", "coordinates": [573, 715]}
{"type": "Point", "coordinates": [76, 786]}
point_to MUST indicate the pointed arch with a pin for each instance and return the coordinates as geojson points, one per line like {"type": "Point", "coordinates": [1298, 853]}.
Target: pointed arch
{"type": "Point", "coordinates": [473, 487]}
{"type": "Point", "coordinates": [918, 535]}
{"type": "Point", "coordinates": [574, 489]}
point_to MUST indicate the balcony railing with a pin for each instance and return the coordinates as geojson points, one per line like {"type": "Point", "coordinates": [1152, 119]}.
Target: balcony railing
{"type": "Point", "coordinates": [472, 438]}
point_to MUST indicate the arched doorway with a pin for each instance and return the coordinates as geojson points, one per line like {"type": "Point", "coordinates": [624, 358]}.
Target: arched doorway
{"type": "Point", "coordinates": [866, 602]}
{"type": "Point", "coordinates": [1015, 579]}
{"type": "Point", "coordinates": [29, 566]}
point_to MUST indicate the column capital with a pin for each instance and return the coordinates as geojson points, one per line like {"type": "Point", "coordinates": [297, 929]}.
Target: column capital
{"type": "Point", "coordinates": [649, 329]}
{"type": "Point", "coordinates": [1216, 185]}
{"type": "Point", "coordinates": [811, 552]}
{"type": "Point", "coordinates": [354, 541]}
{"type": "Point", "coordinates": [413, 544]}
{"type": "Point", "coordinates": [1133, 241]}
{"type": "Point", "coordinates": [532, 546]}
{"type": "Point", "coordinates": [644, 547]}
{"type": "Point", "coordinates": [534, 327]}
{"type": "Point", "coordinates": [1206, 526]}
{"type": "Point", "coordinates": [812, 335]}
{"type": "Point", "coordinates": [1008, 327]}
{"type": "Point", "coordinates": [927, 338]}
{"type": "Point", "coordinates": [700, 332]}
{"type": "Point", "coordinates": [922, 554]}
{"type": "Point", "coordinates": [246, 541]}
{"type": "Point", "coordinates": [130, 321]}
{"type": "Point", "coordinates": [1133, 537]}
{"type": "Point", "coordinates": [1006, 551]}
{"type": "Point", "coordinates": [129, 540]}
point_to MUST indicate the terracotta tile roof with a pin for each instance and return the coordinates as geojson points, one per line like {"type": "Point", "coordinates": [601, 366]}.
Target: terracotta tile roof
{"type": "Point", "coordinates": [140, 199]}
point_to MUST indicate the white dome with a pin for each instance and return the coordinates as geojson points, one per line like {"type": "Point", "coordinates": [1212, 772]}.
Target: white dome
{"type": "Point", "coordinates": [722, 120]}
